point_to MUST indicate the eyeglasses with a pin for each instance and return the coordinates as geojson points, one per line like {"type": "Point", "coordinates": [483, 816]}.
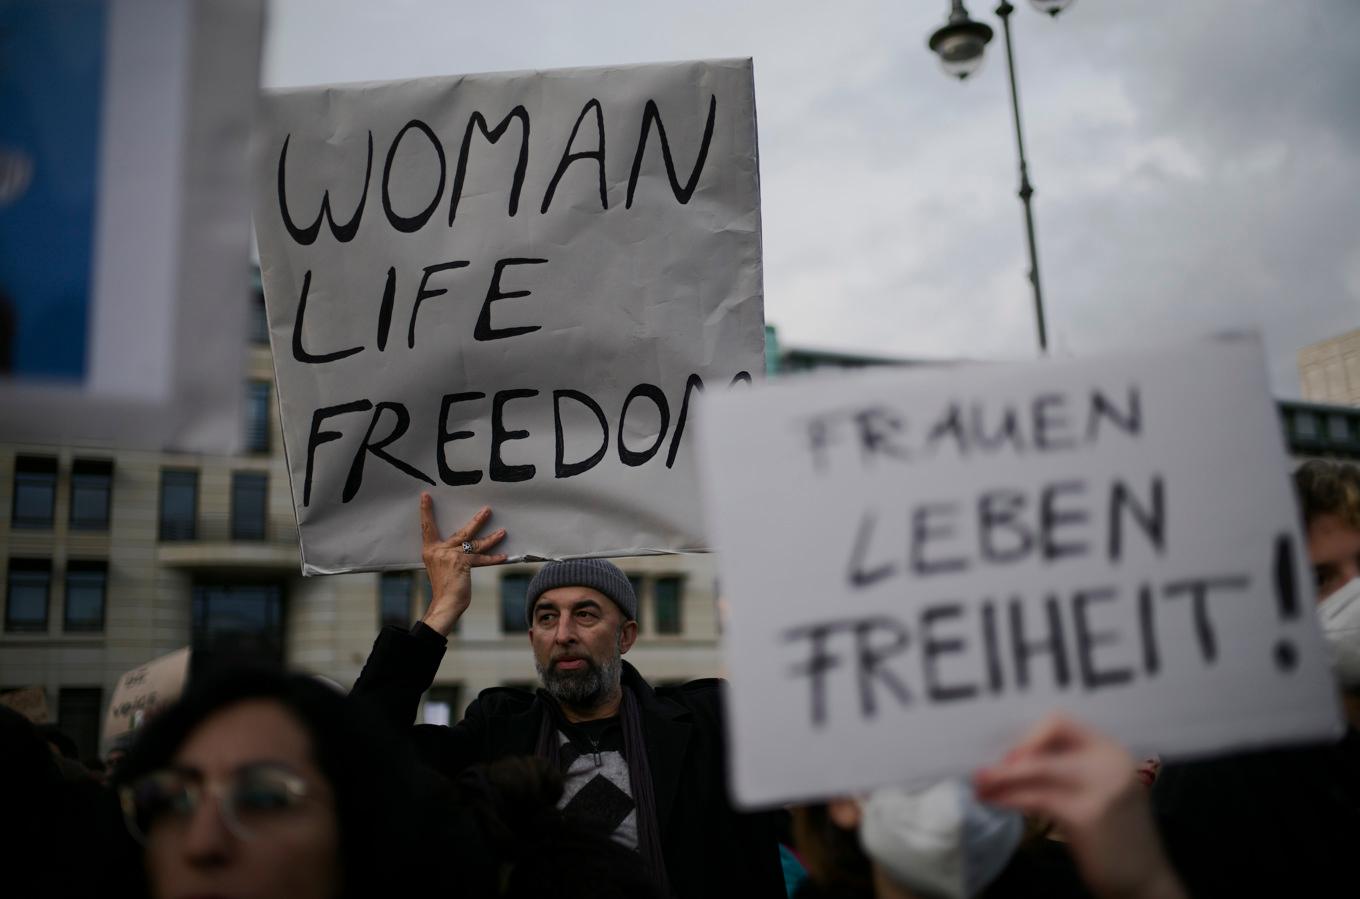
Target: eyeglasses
{"type": "Point", "coordinates": [247, 801]}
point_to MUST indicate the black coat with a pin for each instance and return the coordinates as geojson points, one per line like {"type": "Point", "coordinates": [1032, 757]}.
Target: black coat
{"type": "Point", "coordinates": [710, 849]}
{"type": "Point", "coordinates": [1274, 822]}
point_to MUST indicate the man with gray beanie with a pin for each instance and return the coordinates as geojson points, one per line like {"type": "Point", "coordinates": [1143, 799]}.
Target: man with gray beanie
{"type": "Point", "coordinates": [645, 766]}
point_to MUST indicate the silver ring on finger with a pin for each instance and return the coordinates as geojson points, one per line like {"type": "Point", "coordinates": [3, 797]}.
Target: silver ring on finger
{"type": "Point", "coordinates": [468, 547]}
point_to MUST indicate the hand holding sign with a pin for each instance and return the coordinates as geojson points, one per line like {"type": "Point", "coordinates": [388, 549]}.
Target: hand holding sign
{"type": "Point", "coordinates": [1087, 784]}
{"type": "Point", "coordinates": [449, 564]}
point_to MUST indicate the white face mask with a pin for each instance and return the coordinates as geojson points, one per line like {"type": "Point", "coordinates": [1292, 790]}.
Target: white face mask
{"type": "Point", "coordinates": [940, 841]}
{"type": "Point", "coordinates": [1340, 618]}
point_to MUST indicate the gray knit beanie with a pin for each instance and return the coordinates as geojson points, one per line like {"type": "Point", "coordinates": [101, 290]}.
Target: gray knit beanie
{"type": "Point", "coordinates": [594, 573]}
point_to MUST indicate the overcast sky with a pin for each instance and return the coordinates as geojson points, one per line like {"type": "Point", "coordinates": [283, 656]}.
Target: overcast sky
{"type": "Point", "coordinates": [1196, 164]}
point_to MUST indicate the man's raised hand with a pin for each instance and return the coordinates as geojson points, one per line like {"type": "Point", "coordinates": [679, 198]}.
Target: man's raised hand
{"type": "Point", "coordinates": [449, 564]}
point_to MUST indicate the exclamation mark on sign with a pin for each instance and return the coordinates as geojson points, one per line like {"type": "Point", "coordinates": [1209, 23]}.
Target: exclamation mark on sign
{"type": "Point", "coordinates": [1286, 593]}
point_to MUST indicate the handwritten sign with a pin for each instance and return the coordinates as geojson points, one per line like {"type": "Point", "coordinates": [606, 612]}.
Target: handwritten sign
{"type": "Point", "coordinates": [919, 565]}
{"type": "Point", "coordinates": [144, 691]}
{"type": "Point", "coordinates": [508, 290]}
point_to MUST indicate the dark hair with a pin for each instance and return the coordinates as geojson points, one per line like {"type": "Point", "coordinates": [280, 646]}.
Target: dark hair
{"type": "Point", "coordinates": [1328, 488]}
{"type": "Point", "coordinates": [833, 856]}
{"type": "Point", "coordinates": [366, 768]}
{"type": "Point", "coordinates": [49, 819]}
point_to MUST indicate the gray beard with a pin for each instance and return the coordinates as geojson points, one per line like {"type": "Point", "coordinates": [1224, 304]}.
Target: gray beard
{"type": "Point", "coordinates": [587, 687]}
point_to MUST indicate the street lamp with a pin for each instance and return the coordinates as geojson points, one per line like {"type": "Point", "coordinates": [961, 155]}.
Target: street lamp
{"type": "Point", "coordinates": [960, 43]}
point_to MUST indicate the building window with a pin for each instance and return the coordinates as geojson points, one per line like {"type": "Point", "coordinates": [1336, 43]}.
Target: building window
{"type": "Point", "coordinates": [394, 599]}
{"type": "Point", "coordinates": [257, 417]}
{"type": "Point", "coordinates": [35, 491]}
{"type": "Point", "coordinates": [442, 705]}
{"type": "Point", "coordinates": [669, 591]}
{"type": "Point", "coordinates": [29, 586]}
{"type": "Point", "coordinates": [1305, 426]}
{"type": "Point", "coordinates": [238, 621]}
{"type": "Point", "coordinates": [91, 487]}
{"type": "Point", "coordinates": [636, 581]}
{"type": "Point", "coordinates": [249, 504]}
{"type": "Point", "coordinates": [78, 717]}
{"type": "Point", "coordinates": [259, 317]}
{"type": "Point", "coordinates": [179, 504]}
{"type": "Point", "coordinates": [1338, 429]}
{"type": "Point", "coordinates": [514, 599]}
{"type": "Point", "coordinates": [86, 586]}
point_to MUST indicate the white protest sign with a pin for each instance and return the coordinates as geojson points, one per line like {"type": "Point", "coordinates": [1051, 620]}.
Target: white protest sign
{"type": "Point", "coordinates": [144, 691]}
{"type": "Point", "coordinates": [508, 290]}
{"type": "Point", "coordinates": [919, 565]}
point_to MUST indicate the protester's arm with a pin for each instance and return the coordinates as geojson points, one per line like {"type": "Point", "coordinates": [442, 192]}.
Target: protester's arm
{"type": "Point", "coordinates": [1086, 783]}
{"type": "Point", "coordinates": [403, 664]}
{"type": "Point", "coordinates": [400, 668]}
{"type": "Point", "coordinates": [450, 566]}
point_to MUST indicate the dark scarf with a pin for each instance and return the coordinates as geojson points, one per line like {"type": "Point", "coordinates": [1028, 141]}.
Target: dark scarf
{"type": "Point", "coordinates": [639, 775]}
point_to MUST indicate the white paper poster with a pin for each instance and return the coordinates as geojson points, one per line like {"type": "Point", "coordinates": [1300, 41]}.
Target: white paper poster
{"type": "Point", "coordinates": [144, 692]}
{"type": "Point", "coordinates": [508, 290]}
{"type": "Point", "coordinates": [920, 564]}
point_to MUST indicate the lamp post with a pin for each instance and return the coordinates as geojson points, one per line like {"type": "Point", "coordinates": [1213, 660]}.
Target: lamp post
{"type": "Point", "coordinates": [960, 44]}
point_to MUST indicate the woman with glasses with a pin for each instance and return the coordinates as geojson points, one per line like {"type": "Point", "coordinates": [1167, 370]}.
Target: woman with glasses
{"type": "Point", "coordinates": [270, 785]}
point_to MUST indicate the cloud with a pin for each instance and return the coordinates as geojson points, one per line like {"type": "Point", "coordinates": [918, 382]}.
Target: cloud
{"type": "Point", "coordinates": [1195, 166]}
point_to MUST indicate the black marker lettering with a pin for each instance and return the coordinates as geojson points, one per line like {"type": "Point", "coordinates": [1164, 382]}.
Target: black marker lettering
{"type": "Point", "coordinates": [411, 224]}
{"type": "Point", "coordinates": [653, 393]}
{"type": "Point", "coordinates": [1088, 641]}
{"type": "Point", "coordinates": [999, 511]}
{"type": "Point", "coordinates": [562, 468]}
{"type": "Point", "coordinates": [922, 532]}
{"type": "Point", "coordinates": [569, 157]}
{"type": "Point", "coordinates": [1150, 518]}
{"type": "Point", "coordinates": [499, 435]}
{"type": "Point", "coordinates": [366, 446]}
{"type": "Point", "coordinates": [933, 647]}
{"type": "Point", "coordinates": [343, 233]}
{"type": "Point", "coordinates": [1052, 518]}
{"type": "Point", "coordinates": [423, 294]}
{"type": "Point", "coordinates": [1049, 415]}
{"type": "Point", "coordinates": [316, 437]}
{"type": "Point", "coordinates": [692, 383]}
{"type": "Point", "coordinates": [483, 330]}
{"type": "Point", "coordinates": [447, 474]}
{"type": "Point", "coordinates": [460, 173]}
{"type": "Point", "coordinates": [683, 194]}
{"type": "Point", "coordinates": [871, 658]}
{"type": "Point", "coordinates": [1053, 645]}
{"type": "Point", "coordinates": [863, 537]}
{"type": "Point", "coordinates": [299, 351]}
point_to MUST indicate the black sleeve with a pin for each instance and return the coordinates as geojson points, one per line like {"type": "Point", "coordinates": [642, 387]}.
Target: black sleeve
{"type": "Point", "coordinates": [399, 670]}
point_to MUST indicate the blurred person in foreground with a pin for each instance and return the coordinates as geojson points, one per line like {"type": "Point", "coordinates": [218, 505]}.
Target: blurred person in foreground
{"type": "Point", "coordinates": [269, 785]}
{"type": "Point", "coordinates": [60, 831]}
{"type": "Point", "coordinates": [1286, 821]}
{"type": "Point", "coordinates": [955, 840]}
{"type": "Point", "coordinates": [647, 767]}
